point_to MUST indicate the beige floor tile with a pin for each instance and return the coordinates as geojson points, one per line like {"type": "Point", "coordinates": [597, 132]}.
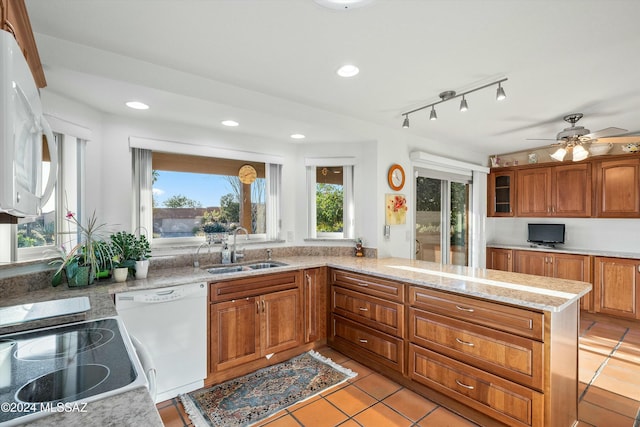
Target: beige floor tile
{"type": "Point", "coordinates": [442, 417]}
{"type": "Point", "coordinates": [409, 404]}
{"type": "Point", "coordinates": [334, 355]}
{"type": "Point", "coordinates": [599, 416]}
{"type": "Point", "coordinates": [614, 385]}
{"type": "Point", "coordinates": [359, 368]}
{"type": "Point", "coordinates": [320, 414]}
{"type": "Point", "coordinates": [351, 400]}
{"type": "Point", "coordinates": [612, 401]}
{"type": "Point", "coordinates": [381, 415]}
{"type": "Point", "coordinates": [377, 386]}
{"type": "Point", "coordinates": [282, 421]}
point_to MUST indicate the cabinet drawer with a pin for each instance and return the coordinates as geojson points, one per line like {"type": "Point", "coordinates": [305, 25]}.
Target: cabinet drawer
{"type": "Point", "coordinates": [503, 400]}
{"type": "Point", "coordinates": [384, 348]}
{"type": "Point", "coordinates": [386, 289]}
{"type": "Point", "coordinates": [509, 319]}
{"type": "Point", "coordinates": [515, 358]}
{"type": "Point", "coordinates": [377, 313]}
{"type": "Point", "coordinates": [254, 285]}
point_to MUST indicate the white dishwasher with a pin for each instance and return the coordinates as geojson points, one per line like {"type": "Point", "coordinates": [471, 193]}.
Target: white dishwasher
{"type": "Point", "coordinates": [172, 324]}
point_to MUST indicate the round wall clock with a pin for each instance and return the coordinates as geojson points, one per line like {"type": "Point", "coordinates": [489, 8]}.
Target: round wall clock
{"type": "Point", "coordinates": [247, 174]}
{"type": "Point", "coordinates": [396, 177]}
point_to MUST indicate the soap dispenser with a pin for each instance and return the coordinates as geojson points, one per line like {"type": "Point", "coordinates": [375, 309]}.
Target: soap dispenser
{"type": "Point", "coordinates": [226, 254]}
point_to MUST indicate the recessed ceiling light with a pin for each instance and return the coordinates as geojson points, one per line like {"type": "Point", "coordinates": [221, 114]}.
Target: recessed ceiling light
{"type": "Point", "coordinates": [348, 70]}
{"type": "Point", "coordinates": [137, 105]}
{"type": "Point", "coordinates": [230, 123]}
{"type": "Point", "coordinates": [297, 136]}
{"type": "Point", "coordinates": [343, 4]}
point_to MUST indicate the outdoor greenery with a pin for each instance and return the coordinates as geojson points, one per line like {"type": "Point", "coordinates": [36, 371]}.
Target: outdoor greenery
{"type": "Point", "coordinates": [329, 209]}
{"type": "Point", "coordinates": [428, 193]}
{"type": "Point", "coordinates": [180, 201]}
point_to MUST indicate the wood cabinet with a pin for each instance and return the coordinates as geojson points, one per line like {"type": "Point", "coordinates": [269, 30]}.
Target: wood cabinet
{"type": "Point", "coordinates": [367, 318]}
{"type": "Point", "coordinates": [253, 317]}
{"type": "Point", "coordinates": [500, 259]}
{"type": "Point", "coordinates": [618, 188]}
{"type": "Point", "coordinates": [563, 191]}
{"type": "Point", "coordinates": [500, 193]}
{"type": "Point", "coordinates": [495, 358]}
{"type": "Point", "coordinates": [616, 287]}
{"type": "Point", "coordinates": [316, 304]}
{"type": "Point", "coordinates": [15, 19]}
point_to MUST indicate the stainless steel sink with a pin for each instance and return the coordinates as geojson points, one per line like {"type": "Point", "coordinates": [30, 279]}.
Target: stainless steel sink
{"type": "Point", "coordinates": [245, 267]}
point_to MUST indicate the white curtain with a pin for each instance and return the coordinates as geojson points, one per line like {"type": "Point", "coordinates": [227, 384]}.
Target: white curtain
{"type": "Point", "coordinates": [142, 186]}
{"type": "Point", "coordinates": [274, 184]}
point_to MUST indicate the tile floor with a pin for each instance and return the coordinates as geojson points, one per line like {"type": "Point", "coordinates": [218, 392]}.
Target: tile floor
{"type": "Point", "coordinates": [609, 390]}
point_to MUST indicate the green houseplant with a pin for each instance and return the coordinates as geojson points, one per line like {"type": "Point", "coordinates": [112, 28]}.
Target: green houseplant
{"type": "Point", "coordinates": [122, 244]}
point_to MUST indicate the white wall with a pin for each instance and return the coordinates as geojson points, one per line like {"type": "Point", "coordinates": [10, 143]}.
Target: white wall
{"type": "Point", "coordinates": [108, 168]}
{"type": "Point", "coordinates": [618, 235]}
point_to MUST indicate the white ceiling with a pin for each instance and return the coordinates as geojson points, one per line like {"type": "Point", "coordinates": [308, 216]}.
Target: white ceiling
{"type": "Point", "coordinates": [270, 64]}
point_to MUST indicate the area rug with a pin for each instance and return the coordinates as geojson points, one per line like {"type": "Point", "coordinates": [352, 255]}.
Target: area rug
{"type": "Point", "coordinates": [246, 400]}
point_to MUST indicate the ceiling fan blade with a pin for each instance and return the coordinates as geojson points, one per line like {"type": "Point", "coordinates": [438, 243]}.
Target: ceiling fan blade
{"type": "Point", "coordinates": [541, 139]}
{"type": "Point", "coordinates": [604, 133]}
{"type": "Point", "coordinates": [621, 139]}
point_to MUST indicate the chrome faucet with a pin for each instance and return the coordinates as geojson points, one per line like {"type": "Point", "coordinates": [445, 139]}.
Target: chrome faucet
{"type": "Point", "coordinates": [196, 263]}
{"type": "Point", "coordinates": [237, 254]}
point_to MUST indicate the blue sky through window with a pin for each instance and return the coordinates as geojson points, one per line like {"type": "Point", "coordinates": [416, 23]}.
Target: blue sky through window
{"type": "Point", "coordinates": [205, 188]}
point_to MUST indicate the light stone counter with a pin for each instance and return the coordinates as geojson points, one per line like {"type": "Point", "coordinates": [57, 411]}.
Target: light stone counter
{"type": "Point", "coordinates": [136, 407]}
{"type": "Point", "coordinates": [563, 250]}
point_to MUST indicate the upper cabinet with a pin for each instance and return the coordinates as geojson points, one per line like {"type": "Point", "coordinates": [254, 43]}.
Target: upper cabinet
{"type": "Point", "coordinates": [603, 187]}
{"type": "Point", "coordinates": [617, 188]}
{"type": "Point", "coordinates": [563, 191]}
{"type": "Point", "coordinates": [500, 198]}
{"type": "Point", "coordinates": [14, 19]}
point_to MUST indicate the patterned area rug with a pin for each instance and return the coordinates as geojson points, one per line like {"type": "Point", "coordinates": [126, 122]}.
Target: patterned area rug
{"type": "Point", "coordinates": [246, 400]}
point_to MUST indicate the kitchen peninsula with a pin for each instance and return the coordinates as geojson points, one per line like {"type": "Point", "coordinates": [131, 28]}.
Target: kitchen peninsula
{"type": "Point", "coordinates": [491, 345]}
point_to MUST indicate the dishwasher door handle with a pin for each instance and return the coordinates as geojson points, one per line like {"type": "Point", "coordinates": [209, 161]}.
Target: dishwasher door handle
{"type": "Point", "coordinates": [161, 296]}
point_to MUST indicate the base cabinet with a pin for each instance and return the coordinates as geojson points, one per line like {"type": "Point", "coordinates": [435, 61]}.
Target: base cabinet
{"type": "Point", "coordinates": [616, 287]}
{"type": "Point", "coordinates": [500, 259]}
{"type": "Point", "coordinates": [253, 317]}
{"type": "Point", "coordinates": [316, 302]}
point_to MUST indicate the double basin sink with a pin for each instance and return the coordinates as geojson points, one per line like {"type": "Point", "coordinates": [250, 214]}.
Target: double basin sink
{"type": "Point", "coordinates": [245, 267]}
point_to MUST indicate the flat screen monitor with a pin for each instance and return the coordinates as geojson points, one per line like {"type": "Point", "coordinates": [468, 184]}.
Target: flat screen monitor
{"type": "Point", "coordinates": [546, 234]}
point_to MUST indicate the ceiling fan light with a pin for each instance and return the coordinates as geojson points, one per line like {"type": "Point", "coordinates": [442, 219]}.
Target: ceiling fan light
{"type": "Point", "coordinates": [559, 154]}
{"type": "Point", "coordinates": [463, 104]}
{"type": "Point", "coordinates": [432, 114]}
{"type": "Point", "coordinates": [500, 95]}
{"type": "Point", "coordinates": [405, 123]}
{"type": "Point", "coordinates": [579, 153]}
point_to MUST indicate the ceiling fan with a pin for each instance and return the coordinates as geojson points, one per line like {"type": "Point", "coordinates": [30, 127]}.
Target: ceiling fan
{"type": "Point", "coordinates": [573, 137]}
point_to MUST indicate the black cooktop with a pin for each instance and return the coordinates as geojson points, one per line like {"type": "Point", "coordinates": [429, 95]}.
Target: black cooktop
{"type": "Point", "coordinates": [46, 370]}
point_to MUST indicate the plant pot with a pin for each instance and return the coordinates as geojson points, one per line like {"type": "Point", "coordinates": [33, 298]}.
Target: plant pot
{"type": "Point", "coordinates": [103, 274]}
{"type": "Point", "coordinates": [142, 268]}
{"type": "Point", "coordinates": [120, 274]}
{"type": "Point", "coordinates": [80, 278]}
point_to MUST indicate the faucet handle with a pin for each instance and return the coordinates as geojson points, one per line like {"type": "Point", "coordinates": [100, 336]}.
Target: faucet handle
{"type": "Point", "coordinates": [269, 251]}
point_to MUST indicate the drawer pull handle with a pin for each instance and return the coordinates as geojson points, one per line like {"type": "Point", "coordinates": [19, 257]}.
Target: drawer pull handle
{"type": "Point", "coordinates": [363, 309]}
{"type": "Point", "coordinates": [469, 387]}
{"type": "Point", "coordinates": [468, 310]}
{"type": "Point", "coordinates": [470, 344]}
{"type": "Point", "coordinates": [363, 341]}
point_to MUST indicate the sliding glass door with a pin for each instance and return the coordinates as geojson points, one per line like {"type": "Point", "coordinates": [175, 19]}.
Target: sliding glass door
{"type": "Point", "coordinates": [442, 217]}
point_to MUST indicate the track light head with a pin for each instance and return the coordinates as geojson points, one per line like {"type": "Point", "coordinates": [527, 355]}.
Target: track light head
{"type": "Point", "coordinates": [500, 95]}
{"type": "Point", "coordinates": [405, 123]}
{"type": "Point", "coordinates": [432, 114]}
{"type": "Point", "coordinates": [463, 104]}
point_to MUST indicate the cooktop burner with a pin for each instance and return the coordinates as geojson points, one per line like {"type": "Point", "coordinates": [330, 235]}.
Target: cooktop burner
{"type": "Point", "coordinates": [65, 344]}
{"type": "Point", "coordinates": [70, 363]}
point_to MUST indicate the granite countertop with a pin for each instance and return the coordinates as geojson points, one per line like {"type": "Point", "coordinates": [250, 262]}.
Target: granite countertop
{"type": "Point", "coordinates": [563, 250]}
{"type": "Point", "coordinates": [529, 291]}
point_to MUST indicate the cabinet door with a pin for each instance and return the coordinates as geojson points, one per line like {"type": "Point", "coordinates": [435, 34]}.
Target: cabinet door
{"type": "Point", "coordinates": [532, 262]}
{"type": "Point", "coordinates": [534, 192]}
{"type": "Point", "coordinates": [500, 259]}
{"type": "Point", "coordinates": [281, 326]}
{"type": "Point", "coordinates": [571, 186]}
{"type": "Point", "coordinates": [616, 286]}
{"type": "Point", "coordinates": [316, 293]}
{"type": "Point", "coordinates": [574, 267]}
{"type": "Point", "coordinates": [501, 193]}
{"type": "Point", "coordinates": [234, 333]}
{"type": "Point", "coordinates": [618, 188]}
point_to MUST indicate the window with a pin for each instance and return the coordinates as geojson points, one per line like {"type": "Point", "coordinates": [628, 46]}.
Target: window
{"type": "Point", "coordinates": [191, 195]}
{"type": "Point", "coordinates": [330, 189]}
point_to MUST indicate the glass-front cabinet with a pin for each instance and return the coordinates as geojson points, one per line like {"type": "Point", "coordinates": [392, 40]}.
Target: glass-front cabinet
{"type": "Point", "coordinates": [500, 198]}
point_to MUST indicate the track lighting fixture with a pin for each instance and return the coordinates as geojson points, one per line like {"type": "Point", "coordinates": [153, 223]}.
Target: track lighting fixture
{"type": "Point", "coordinates": [463, 104]}
{"type": "Point", "coordinates": [450, 94]}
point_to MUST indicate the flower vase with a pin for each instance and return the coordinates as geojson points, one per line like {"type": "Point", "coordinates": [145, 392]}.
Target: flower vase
{"type": "Point", "coordinates": [120, 274]}
{"type": "Point", "coordinates": [142, 268]}
{"type": "Point", "coordinates": [80, 278]}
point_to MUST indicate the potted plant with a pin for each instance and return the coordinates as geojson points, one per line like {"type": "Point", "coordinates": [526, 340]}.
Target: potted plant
{"type": "Point", "coordinates": [141, 252]}
{"type": "Point", "coordinates": [122, 244]}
